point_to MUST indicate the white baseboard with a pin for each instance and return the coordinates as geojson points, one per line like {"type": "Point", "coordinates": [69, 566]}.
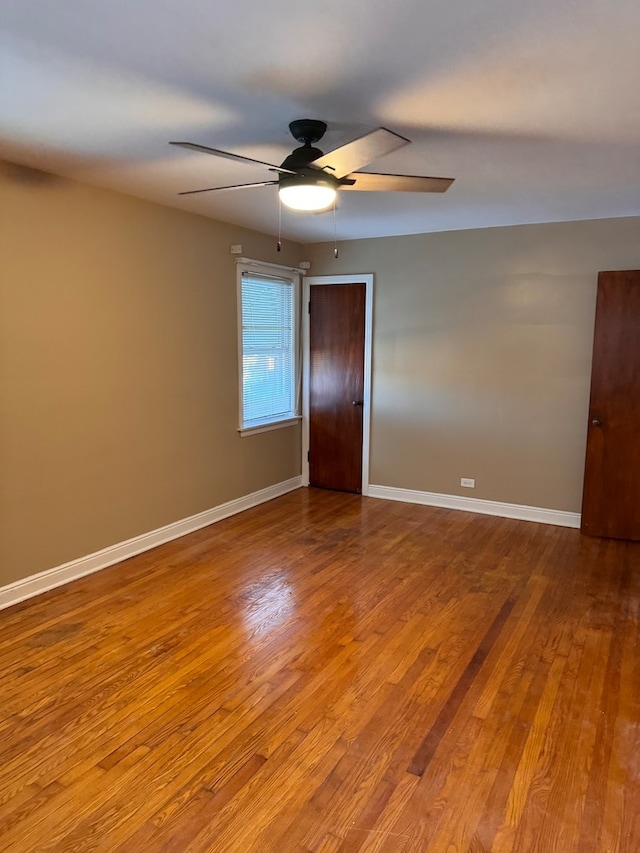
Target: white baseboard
{"type": "Point", "coordinates": [43, 581]}
{"type": "Point", "coordinates": [524, 513]}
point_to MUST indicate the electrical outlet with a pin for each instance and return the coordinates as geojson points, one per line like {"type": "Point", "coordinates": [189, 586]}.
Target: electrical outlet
{"type": "Point", "coordinates": [468, 482]}
{"type": "Point", "coordinates": [237, 249]}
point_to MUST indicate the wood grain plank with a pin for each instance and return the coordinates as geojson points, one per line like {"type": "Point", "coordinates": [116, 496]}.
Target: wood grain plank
{"type": "Point", "coordinates": [425, 752]}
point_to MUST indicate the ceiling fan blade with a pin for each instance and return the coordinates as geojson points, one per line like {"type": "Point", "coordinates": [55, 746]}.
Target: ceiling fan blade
{"type": "Point", "coordinates": [231, 187]}
{"type": "Point", "coordinates": [204, 149]}
{"type": "Point", "coordinates": [396, 183]}
{"type": "Point", "coordinates": [360, 152]}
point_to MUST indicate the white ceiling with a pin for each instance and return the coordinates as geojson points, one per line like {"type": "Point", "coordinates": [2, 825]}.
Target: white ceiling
{"type": "Point", "coordinates": [533, 107]}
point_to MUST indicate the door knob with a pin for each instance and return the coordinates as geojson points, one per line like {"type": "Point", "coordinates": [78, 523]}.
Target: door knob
{"type": "Point", "coordinates": [596, 422]}
{"type": "Point", "coordinates": [356, 402]}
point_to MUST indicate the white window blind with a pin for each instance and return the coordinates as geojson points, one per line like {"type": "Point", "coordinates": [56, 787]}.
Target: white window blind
{"type": "Point", "coordinates": [268, 350]}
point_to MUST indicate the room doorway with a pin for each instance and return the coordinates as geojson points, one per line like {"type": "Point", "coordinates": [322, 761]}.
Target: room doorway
{"type": "Point", "coordinates": [337, 327]}
{"type": "Point", "coordinates": [611, 497]}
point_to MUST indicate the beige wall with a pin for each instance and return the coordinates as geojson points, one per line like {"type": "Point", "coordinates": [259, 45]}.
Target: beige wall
{"type": "Point", "coordinates": [482, 354]}
{"type": "Point", "coordinates": [118, 374]}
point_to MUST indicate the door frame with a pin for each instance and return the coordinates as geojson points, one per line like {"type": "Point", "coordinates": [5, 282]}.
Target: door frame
{"type": "Point", "coordinates": [337, 280]}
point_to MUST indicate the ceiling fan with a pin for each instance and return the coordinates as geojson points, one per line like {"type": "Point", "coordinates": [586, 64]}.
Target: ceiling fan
{"type": "Point", "coordinates": [309, 180]}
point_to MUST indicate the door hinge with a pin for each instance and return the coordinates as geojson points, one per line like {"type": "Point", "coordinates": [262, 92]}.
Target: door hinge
{"type": "Point", "coordinates": [308, 456]}
{"type": "Point", "coordinates": [309, 307]}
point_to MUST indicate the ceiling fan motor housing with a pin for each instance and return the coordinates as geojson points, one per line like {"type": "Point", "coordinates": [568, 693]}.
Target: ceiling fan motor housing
{"type": "Point", "coordinates": [307, 131]}
{"type": "Point", "coordinates": [301, 157]}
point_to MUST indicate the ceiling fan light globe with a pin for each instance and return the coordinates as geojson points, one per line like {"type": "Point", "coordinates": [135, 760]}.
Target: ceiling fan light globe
{"type": "Point", "coordinates": [307, 196]}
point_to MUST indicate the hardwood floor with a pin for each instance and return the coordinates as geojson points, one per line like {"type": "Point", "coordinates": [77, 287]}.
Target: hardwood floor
{"type": "Point", "coordinates": [331, 673]}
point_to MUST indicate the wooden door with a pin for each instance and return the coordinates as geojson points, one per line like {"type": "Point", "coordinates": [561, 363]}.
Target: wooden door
{"type": "Point", "coordinates": [611, 501]}
{"type": "Point", "coordinates": [336, 385]}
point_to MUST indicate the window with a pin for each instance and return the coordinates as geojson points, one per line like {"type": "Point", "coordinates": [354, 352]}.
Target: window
{"type": "Point", "coordinates": [268, 300]}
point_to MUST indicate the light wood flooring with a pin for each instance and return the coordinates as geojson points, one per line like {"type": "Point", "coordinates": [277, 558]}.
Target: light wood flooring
{"type": "Point", "coordinates": [330, 673]}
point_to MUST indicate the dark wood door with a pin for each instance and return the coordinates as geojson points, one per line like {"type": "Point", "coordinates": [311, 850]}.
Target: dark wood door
{"type": "Point", "coordinates": [336, 385]}
{"type": "Point", "coordinates": [611, 501]}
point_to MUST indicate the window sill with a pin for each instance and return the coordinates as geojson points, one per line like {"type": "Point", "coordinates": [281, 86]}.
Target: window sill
{"type": "Point", "coordinates": [254, 430]}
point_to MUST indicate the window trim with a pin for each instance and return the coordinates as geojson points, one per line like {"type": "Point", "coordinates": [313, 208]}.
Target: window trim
{"type": "Point", "coordinates": [274, 271]}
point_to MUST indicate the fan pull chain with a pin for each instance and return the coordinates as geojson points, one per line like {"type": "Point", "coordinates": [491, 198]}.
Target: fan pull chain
{"type": "Point", "coordinates": [335, 231]}
{"type": "Point", "coordinates": [279, 243]}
